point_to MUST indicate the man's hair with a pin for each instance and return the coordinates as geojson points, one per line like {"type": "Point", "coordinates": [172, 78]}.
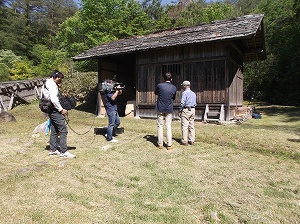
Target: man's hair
{"type": "Point", "coordinates": [167, 76]}
{"type": "Point", "coordinates": [56, 74]}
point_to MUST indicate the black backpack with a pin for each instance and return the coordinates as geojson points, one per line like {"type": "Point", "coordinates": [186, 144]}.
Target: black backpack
{"type": "Point", "coordinates": [45, 105]}
{"type": "Point", "coordinates": [67, 102]}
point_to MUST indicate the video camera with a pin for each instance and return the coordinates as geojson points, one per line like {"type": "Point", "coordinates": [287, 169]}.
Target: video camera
{"type": "Point", "coordinates": [109, 85]}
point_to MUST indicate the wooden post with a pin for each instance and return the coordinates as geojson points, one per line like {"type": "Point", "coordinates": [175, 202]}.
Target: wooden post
{"type": "Point", "coordinates": [2, 104]}
{"type": "Point", "coordinates": [37, 92]}
{"type": "Point", "coordinates": [205, 113]}
{"type": "Point", "coordinates": [11, 100]}
{"type": "Point", "coordinates": [222, 113]}
{"type": "Point", "coordinates": [101, 107]}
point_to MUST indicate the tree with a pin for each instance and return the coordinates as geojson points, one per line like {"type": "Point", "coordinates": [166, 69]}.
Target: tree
{"type": "Point", "coordinates": [27, 23]}
{"type": "Point", "coordinates": [279, 74]}
{"type": "Point", "coordinates": [245, 7]}
{"type": "Point", "coordinates": [101, 21]}
{"type": "Point", "coordinates": [218, 11]}
{"type": "Point", "coordinates": [14, 67]}
{"type": "Point", "coordinates": [191, 14]}
{"type": "Point", "coordinates": [153, 9]}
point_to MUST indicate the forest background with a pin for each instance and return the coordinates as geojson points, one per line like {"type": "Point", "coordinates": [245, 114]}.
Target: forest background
{"type": "Point", "coordinates": [40, 35]}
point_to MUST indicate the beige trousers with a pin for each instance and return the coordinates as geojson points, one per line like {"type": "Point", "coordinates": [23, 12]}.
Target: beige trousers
{"type": "Point", "coordinates": [161, 119]}
{"type": "Point", "coordinates": [188, 125]}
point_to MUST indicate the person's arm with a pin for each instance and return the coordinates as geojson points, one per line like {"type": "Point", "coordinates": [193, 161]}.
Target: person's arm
{"type": "Point", "coordinates": [174, 94]}
{"type": "Point", "coordinates": [118, 92]}
{"type": "Point", "coordinates": [182, 102]}
{"type": "Point", "coordinates": [53, 91]}
{"type": "Point", "coordinates": [156, 90]}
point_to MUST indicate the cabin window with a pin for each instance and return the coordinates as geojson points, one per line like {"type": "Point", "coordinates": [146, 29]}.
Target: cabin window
{"type": "Point", "coordinates": [175, 69]}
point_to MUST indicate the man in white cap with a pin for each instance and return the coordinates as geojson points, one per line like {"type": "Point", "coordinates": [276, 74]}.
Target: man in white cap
{"type": "Point", "coordinates": [187, 114]}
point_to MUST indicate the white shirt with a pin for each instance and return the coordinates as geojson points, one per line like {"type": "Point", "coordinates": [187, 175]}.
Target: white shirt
{"type": "Point", "coordinates": [51, 93]}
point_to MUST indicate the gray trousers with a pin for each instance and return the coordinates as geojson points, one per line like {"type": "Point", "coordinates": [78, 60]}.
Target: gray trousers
{"type": "Point", "coordinates": [188, 125]}
{"type": "Point", "coordinates": [59, 128]}
{"type": "Point", "coordinates": [161, 119]}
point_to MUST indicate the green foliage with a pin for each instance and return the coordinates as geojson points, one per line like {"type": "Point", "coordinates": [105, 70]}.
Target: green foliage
{"type": "Point", "coordinates": [8, 57]}
{"type": "Point", "coordinates": [218, 11]}
{"type": "Point", "coordinates": [21, 70]}
{"type": "Point", "coordinates": [196, 12]}
{"type": "Point", "coordinates": [14, 67]}
{"type": "Point", "coordinates": [7, 60]}
{"type": "Point", "coordinates": [246, 7]}
{"type": "Point", "coordinates": [192, 14]}
{"type": "Point", "coordinates": [49, 33]}
{"type": "Point", "coordinates": [14, 31]}
{"type": "Point", "coordinates": [42, 18]}
{"type": "Point", "coordinates": [24, 25]}
{"type": "Point", "coordinates": [71, 36]}
{"type": "Point", "coordinates": [4, 73]}
{"type": "Point", "coordinates": [46, 60]}
{"type": "Point", "coordinates": [80, 85]}
{"type": "Point", "coordinates": [100, 22]}
{"type": "Point", "coordinates": [153, 9]}
{"type": "Point", "coordinates": [279, 74]}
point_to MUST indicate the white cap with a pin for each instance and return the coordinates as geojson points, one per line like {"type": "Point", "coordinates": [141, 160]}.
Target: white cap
{"type": "Point", "coordinates": [186, 83]}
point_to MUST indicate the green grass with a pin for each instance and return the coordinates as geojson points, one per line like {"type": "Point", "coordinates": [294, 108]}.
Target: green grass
{"type": "Point", "coordinates": [246, 173]}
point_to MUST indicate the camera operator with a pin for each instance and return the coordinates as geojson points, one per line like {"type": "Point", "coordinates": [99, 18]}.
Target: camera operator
{"type": "Point", "coordinates": [112, 110]}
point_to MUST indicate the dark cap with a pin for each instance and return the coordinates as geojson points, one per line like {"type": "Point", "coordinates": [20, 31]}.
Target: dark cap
{"type": "Point", "coordinates": [56, 74]}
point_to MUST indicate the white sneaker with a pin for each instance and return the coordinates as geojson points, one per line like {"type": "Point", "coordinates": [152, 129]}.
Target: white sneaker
{"type": "Point", "coordinates": [67, 154]}
{"type": "Point", "coordinates": [113, 140]}
{"type": "Point", "coordinates": [51, 152]}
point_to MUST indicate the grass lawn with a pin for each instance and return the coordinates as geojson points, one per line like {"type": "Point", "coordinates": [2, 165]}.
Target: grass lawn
{"type": "Point", "coordinates": [248, 173]}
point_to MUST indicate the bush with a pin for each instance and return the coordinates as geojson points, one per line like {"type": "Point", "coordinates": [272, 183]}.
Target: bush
{"type": "Point", "coordinates": [82, 86]}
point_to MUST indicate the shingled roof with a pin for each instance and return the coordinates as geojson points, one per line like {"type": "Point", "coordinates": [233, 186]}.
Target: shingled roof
{"type": "Point", "coordinates": [248, 29]}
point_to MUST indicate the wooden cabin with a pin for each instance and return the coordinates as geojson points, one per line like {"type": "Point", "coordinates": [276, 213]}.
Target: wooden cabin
{"type": "Point", "coordinates": [210, 56]}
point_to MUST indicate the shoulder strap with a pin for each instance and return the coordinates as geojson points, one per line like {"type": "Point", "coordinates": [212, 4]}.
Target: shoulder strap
{"type": "Point", "coordinates": [44, 87]}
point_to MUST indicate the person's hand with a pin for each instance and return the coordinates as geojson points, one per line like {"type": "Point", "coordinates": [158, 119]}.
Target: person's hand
{"type": "Point", "coordinates": [119, 89]}
{"type": "Point", "coordinates": [63, 111]}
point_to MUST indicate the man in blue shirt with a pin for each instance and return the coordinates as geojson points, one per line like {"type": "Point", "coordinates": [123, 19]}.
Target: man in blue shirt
{"type": "Point", "coordinates": [187, 114]}
{"type": "Point", "coordinates": [112, 112]}
{"type": "Point", "coordinates": [166, 93]}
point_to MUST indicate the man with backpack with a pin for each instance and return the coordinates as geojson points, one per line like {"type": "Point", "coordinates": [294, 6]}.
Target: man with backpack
{"type": "Point", "coordinates": [56, 113]}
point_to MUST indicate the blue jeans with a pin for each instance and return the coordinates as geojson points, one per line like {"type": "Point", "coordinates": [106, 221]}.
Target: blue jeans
{"type": "Point", "coordinates": [113, 123]}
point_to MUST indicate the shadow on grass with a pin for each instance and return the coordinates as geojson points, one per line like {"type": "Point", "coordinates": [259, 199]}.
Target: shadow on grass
{"type": "Point", "coordinates": [292, 113]}
{"type": "Point", "coordinates": [88, 107]}
{"type": "Point", "coordinates": [178, 140]}
{"type": "Point", "coordinates": [152, 139]}
{"type": "Point", "coordinates": [293, 140]}
{"type": "Point", "coordinates": [69, 147]}
{"type": "Point", "coordinates": [289, 114]}
{"type": "Point", "coordinates": [92, 107]}
{"type": "Point", "coordinates": [272, 127]}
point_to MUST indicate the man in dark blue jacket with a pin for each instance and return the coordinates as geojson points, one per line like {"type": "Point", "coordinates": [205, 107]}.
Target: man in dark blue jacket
{"type": "Point", "coordinates": [166, 93]}
{"type": "Point", "coordinates": [112, 111]}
